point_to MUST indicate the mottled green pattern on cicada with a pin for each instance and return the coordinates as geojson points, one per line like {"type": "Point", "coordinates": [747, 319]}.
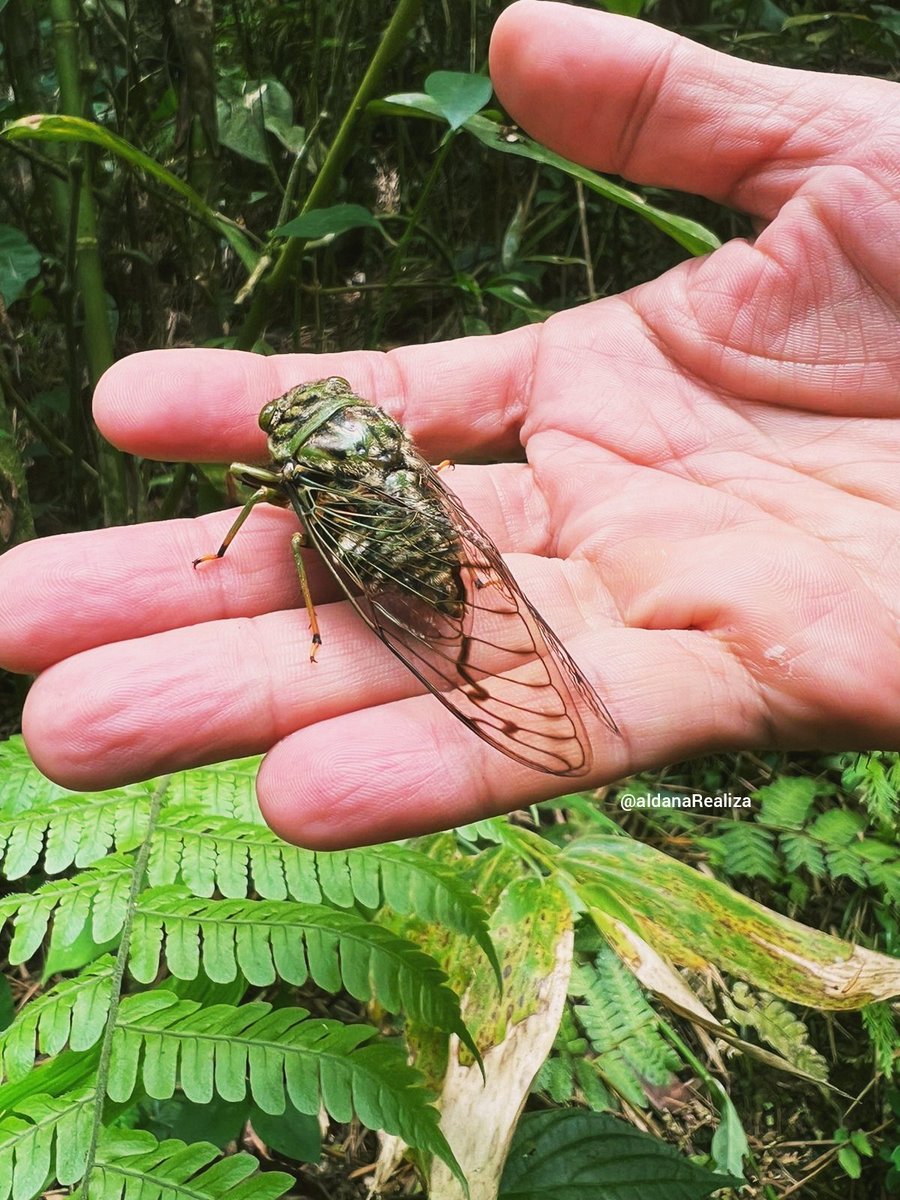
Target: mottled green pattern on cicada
{"type": "Point", "coordinates": [425, 577]}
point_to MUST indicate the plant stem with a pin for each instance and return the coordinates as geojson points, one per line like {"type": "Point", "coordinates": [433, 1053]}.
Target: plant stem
{"type": "Point", "coordinates": [115, 999]}
{"type": "Point", "coordinates": [283, 271]}
{"type": "Point", "coordinates": [98, 345]}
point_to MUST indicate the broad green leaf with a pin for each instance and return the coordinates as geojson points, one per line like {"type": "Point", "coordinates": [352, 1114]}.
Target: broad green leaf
{"type": "Point", "coordinates": [20, 262]}
{"type": "Point", "coordinates": [693, 236]}
{"type": "Point", "coordinates": [54, 128]}
{"type": "Point", "coordinates": [729, 1145]}
{"type": "Point", "coordinates": [247, 109]}
{"type": "Point", "coordinates": [325, 222]}
{"type": "Point", "coordinates": [849, 1160]}
{"type": "Point", "coordinates": [458, 95]}
{"type": "Point", "coordinates": [574, 1155]}
{"type": "Point", "coordinates": [690, 918]}
{"type": "Point", "coordinates": [218, 1121]}
{"type": "Point", "coordinates": [294, 1134]}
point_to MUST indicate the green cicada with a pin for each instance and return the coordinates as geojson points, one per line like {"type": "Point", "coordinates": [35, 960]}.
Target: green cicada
{"type": "Point", "coordinates": [421, 573]}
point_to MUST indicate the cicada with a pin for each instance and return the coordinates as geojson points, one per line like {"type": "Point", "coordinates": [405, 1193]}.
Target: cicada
{"type": "Point", "coordinates": [422, 574]}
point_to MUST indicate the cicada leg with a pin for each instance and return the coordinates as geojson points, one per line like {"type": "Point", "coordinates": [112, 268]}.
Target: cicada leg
{"type": "Point", "coordinates": [298, 541]}
{"type": "Point", "coordinates": [269, 495]}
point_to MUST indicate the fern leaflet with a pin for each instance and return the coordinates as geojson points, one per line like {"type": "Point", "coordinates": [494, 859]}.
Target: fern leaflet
{"type": "Point", "coordinates": [270, 939]}
{"type": "Point", "coordinates": [169, 1043]}
{"type": "Point", "coordinates": [73, 1013]}
{"type": "Point", "coordinates": [45, 1136]}
{"type": "Point", "coordinates": [131, 1163]}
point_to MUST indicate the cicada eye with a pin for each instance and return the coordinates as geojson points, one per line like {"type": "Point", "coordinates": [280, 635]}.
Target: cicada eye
{"type": "Point", "coordinates": [266, 415]}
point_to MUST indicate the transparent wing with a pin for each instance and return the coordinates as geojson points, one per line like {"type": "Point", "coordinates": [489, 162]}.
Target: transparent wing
{"type": "Point", "coordinates": [483, 649]}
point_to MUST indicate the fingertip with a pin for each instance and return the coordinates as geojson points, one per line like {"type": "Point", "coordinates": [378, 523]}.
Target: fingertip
{"type": "Point", "coordinates": [369, 776]}
{"type": "Point", "coordinates": [152, 403]}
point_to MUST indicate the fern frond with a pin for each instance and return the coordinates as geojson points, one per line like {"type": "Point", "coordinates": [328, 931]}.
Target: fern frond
{"type": "Point", "coordinates": [801, 852]}
{"type": "Point", "coordinates": [45, 1137]}
{"type": "Point", "coordinates": [166, 1043]}
{"type": "Point", "coordinates": [847, 863]}
{"type": "Point", "coordinates": [270, 939]}
{"type": "Point", "coordinates": [776, 1024]}
{"type": "Point", "coordinates": [745, 849]}
{"type": "Point", "coordinates": [878, 1021]}
{"type": "Point", "coordinates": [73, 1013]}
{"type": "Point", "coordinates": [226, 789]}
{"type": "Point", "coordinates": [22, 785]}
{"type": "Point", "coordinates": [837, 827]}
{"type": "Point", "coordinates": [132, 1163]}
{"type": "Point", "coordinates": [73, 829]}
{"type": "Point", "coordinates": [786, 802]}
{"type": "Point", "coordinates": [98, 895]}
{"type": "Point", "coordinates": [882, 863]}
{"type": "Point", "coordinates": [622, 1028]}
{"type": "Point", "coordinates": [209, 853]}
{"type": "Point", "coordinates": [875, 778]}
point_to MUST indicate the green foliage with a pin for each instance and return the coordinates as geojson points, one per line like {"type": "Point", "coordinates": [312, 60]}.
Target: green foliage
{"type": "Point", "coordinates": [571, 1155]}
{"type": "Point", "coordinates": [160, 1045]}
{"type": "Point", "coordinates": [798, 830]}
{"type": "Point", "coordinates": [165, 1043]}
{"type": "Point", "coordinates": [20, 262]}
{"type": "Point", "coordinates": [777, 1025]}
{"type": "Point", "coordinates": [45, 1136]}
{"type": "Point", "coordinates": [621, 1029]}
{"type": "Point", "coordinates": [133, 1163]}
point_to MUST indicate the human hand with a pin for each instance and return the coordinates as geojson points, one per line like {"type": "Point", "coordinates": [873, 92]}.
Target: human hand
{"type": "Point", "coordinates": [708, 515]}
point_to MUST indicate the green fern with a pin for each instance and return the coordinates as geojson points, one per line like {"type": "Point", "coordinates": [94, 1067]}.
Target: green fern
{"type": "Point", "coordinates": [622, 1028]}
{"type": "Point", "coordinates": [207, 853]}
{"type": "Point", "coordinates": [801, 852]}
{"type": "Point", "coordinates": [131, 1163]}
{"type": "Point", "coordinates": [272, 939]}
{"type": "Point", "coordinates": [787, 801]}
{"type": "Point", "coordinates": [167, 1043]}
{"type": "Point", "coordinates": [97, 897]}
{"type": "Point", "coordinates": [45, 1137]}
{"type": "Point", "coordinates": [875, 779]}
{"type": "Point", "coordinates": [71, 1014]}
{"type": "Point", "coordinates": [745, 849]}
{"type": "Point", "coordinates": [776, 1024]}
{"type": "Point", "coordinates": [878, 1020]}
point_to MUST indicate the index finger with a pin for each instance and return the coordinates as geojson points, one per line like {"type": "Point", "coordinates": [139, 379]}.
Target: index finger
{"type": "Point", "coordinates": [462, 399]}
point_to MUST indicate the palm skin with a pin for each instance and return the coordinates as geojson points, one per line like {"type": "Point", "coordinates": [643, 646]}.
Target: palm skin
{"type": "Point", "coordinates": [708, 513]}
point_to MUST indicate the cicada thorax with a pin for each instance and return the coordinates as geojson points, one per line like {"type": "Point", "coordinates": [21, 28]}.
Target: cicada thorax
{"type": "Point", "coordinates": [363, 481]}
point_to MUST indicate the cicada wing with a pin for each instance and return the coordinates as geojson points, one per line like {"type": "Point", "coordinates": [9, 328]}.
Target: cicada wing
{"type": "Point", "coordinates": [490, 657]}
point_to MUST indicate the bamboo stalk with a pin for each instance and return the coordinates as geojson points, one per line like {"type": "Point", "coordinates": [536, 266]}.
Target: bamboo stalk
{"type": "Point", "coordinates": [97, 339]}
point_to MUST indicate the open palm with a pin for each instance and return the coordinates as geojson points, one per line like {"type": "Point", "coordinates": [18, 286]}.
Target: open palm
{"type": "Point", "coordinates": [708, 514]}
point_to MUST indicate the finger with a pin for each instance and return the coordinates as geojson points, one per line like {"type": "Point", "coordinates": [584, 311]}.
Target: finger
{"type": "Point", "coordinates": [136, 708]}
{"type": "Point", "coordinates": [410, 768]}
{"type": "Point", "coordinates": [63, 595]}
{"type": "Point", "coordinates": [625, 96]}
{"type": "Point", "coordinates": [459, 400]}
{"type": "Point", "coordinates": [354, 774]}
